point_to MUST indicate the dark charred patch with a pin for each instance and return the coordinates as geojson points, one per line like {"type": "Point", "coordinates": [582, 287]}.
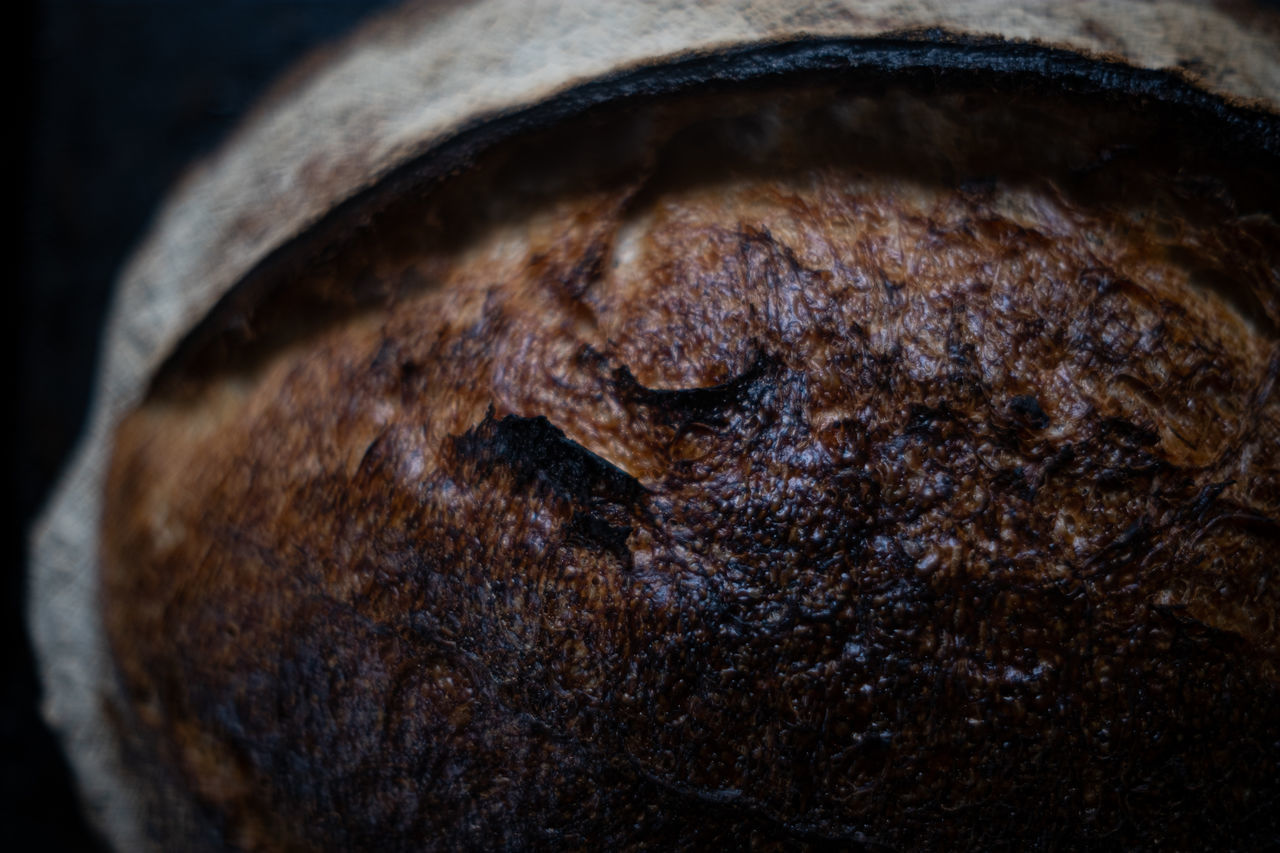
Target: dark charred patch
{"type": "Point", "coordinates": [711, 405]}
{"type": "Point", "coordinates": [536, 451]}
{"type": "Point", "coordinates": [590, 530]}
{"type": "Point", "coordinates": [604, 500]}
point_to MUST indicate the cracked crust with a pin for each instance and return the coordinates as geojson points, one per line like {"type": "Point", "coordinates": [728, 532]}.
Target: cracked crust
{"type": "Point", "coordinates": [786, 468]}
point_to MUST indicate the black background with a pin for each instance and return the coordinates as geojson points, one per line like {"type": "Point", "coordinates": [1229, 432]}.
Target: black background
{"type": "Point", "coordinates": [114, 98]}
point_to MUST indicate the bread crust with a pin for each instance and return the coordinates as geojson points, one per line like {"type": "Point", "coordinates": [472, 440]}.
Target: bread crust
{"type": "Point", "coordinates": [817, 464]}
{"type": "Point", "coordinates": [421, 93]}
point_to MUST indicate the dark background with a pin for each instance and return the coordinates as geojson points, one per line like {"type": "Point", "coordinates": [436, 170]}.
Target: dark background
{"type": "Point", "coordinates": [114, 98]}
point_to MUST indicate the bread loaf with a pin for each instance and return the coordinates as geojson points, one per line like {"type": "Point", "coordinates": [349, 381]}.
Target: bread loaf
{"type": "Point", "coordinates": [823, 434]}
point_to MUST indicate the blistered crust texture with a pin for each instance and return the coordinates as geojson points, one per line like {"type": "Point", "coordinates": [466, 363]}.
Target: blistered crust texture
{"type": "Point", "coordinates": [773, 472]}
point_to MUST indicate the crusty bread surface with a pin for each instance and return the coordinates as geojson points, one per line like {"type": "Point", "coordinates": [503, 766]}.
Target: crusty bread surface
{"type": "Point", "coordinates": [798, 465]}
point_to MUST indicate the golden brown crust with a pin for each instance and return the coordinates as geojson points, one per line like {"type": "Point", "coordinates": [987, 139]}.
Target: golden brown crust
{"type": "Point", "coordinates": [799, 468]}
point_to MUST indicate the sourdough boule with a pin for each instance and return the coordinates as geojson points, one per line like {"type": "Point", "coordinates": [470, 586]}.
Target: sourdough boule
{"type": "Point", "coordinates": [806, 432]}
